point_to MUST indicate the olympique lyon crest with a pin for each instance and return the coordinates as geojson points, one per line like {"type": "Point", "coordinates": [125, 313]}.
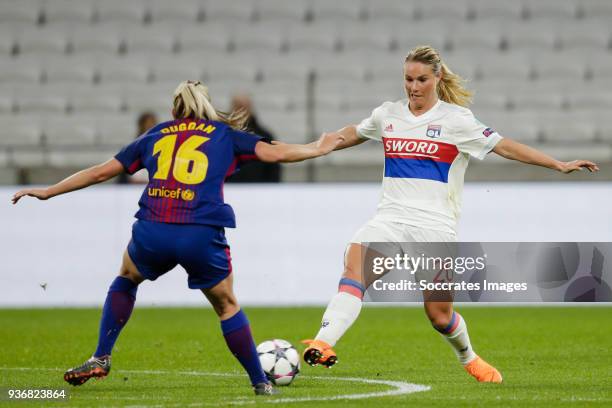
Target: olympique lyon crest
{"type": "Point", "coordinates": [434, 131]}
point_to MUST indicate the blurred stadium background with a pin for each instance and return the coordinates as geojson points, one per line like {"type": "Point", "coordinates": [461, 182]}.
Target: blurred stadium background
{"type": "Point", "coordinates": [75, 74]}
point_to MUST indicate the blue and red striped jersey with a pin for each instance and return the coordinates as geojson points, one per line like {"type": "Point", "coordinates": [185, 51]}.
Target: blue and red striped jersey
{"type": "Point", "coordinates": [188, 161]}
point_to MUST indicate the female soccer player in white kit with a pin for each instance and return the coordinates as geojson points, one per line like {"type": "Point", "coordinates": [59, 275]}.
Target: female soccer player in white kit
{"type": "Point", "coordinates": [427, 139]}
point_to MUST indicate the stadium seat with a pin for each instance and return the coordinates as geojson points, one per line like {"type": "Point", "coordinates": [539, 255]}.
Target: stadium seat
{"type": "Point", "coordinates": [596, 8]}
{"type": "Point", "coordinates": [340, 66]}
{"type": "Point", "coordinates": [7, 41]}
{"type": "Point", "coordinates": [69, 130]}
{"type": "Point", "coordinates": [147, 98]}
{"type": "Point", "coordinates": [163, 11]}
{"type": "Point", "coordinates": [598, 152]}
{"type": "Point", "coordinates": [563, 67]}
{"type": "Point", "coordinates": [28, 157]}
{"type": "Point", "coordinates": [231, 67]}
{"type": "Point", "coordinates": [222, 91]}
{"type": "Point", "coordinates": [589, 36]}
{"type": "Point", "coordinates": [38, 99]}
{"type": "Point", "coordinates": [288, 127]}
{"type": "Point", "coordinates": [286, 67]}
{"type": "Point", "coordinates": [337, 10]}
{"type": "Point", "coordinates": [604, 131]}
{"type": "Point", "coordinates": [591, 100]}
{"type": "Point", "coordinates": [4, 158]}
{"type": "Point", "coordinates": [536, 101]}
{"type": "Point", "coordinates": [209, 37]}
{"type": "Point", "coordinates": [266, 101]}
{"type": "Point", "coordinates": [560, 127]}
{"type": "Point", "coordinates": [506, 68]}
{"type": "Point", "coordinates": [78, 158]}
{"type": "Point", "coordinates": [43, 40]}
{"type": "Point", "coordinates": [489, 100]}
{"type": "Point", "coordinates": [551, 9]}
{"type": "Point", "coordinates": [450, 10]}
{"type": "Point", "coordinates": [130, 12]}
{"type": "Point", "coordinates": [283, 11]}
{"type": "Point", "coordinates": [369, 37]}
{"type": "Point", "coordinates": [176, 69]}
{"type": "Point", "coordinates": [262, 38]}
{"type": "Point", "coordinates": [527, 36]}
{"type": "Point", "coordinates": [72, 11]}
{"type": "Point", "coordinates": [499, 119]}
{"type": "Point", "coordinates": [314, 38]}
{"type": "Point", "coordinates": [387, 89]}
{"type": "Point", "coordinates": [124, 70]}
{"type": "Point", "coordinates": [95, 99]}
{"type": "Point", "coordinates": [98, 38]}
{"type": "Point", "coordinates": [470, 38]}
{"type": "Point", "coordinates": [279, 95]}
{"type": "Point", "coordinates": [115, 130]}
{"type": "Point", "coordinates": [20, 11]}
{"type": "Point", "coordinates": [330, 120]}
{"type": "Point", "coordinates": [25, 130]}
{"type": "Point", "coordinates": [6, 103]}
{"type": "Point", "coordinates": [69, 70]}
{"type": "Point", "coordinates": [239, 11]}
{"type": "Point", "coordinates": [332, 101]}
{"type": "Point", "coordinates": [19, 70]}
{"type": "Point", "coordinates": [386, 67]}
{"type": "Point", "coordinates": [432, 32]}
{"type": "Point", "coordinates": [397, 11]}
{"type": "Point", "coordinates": [364, 96]}
{"type": "Point", "coordinates": [501, 10]}
{"type": "Point", "coordinates": [600, 68]}
{"type": "Point", "coordinates": [516, 128]}
{"type": "Point", "coordinates": [464, 64]}
{"type": "Point", "coordinates": [149, 39]}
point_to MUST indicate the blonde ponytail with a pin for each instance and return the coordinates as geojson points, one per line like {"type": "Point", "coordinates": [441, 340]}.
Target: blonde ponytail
{"type": "Point", "coordinates": [192, 101]}
{"type": "Point", "coordinates": [451, 87]}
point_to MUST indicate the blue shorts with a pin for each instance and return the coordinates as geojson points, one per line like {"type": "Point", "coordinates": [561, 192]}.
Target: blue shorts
{"type": "Point", "coordinates": [202, 250]}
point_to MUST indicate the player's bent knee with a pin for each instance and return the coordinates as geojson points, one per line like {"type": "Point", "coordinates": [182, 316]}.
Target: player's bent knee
{"type": "Point", "coordinates": [225, 310]}
{"type": "Point", "coordinates": [439, 321]}
{"type": "Point", "coordinates": [439, 317]}
{"type": "Point", "coordinates": [225, 305]}
{"type": "Point", "coordinates": [128, 270]}
{"type": "Point", "coordinates": [134, 276]}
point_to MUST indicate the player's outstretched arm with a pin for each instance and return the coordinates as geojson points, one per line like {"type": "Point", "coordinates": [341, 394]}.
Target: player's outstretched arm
{"type": "Point", "coordinates": [513, 150]}
{"type": "Point", "coordinates": [82, 179]}
{"type": "Point", "coordinates": [351, 138]}
{"type": "Point", "coordinates": [290, 153]}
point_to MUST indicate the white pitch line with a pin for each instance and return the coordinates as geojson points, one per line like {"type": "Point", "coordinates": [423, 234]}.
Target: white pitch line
{"type": "Point", "coordinates": [399, 387]}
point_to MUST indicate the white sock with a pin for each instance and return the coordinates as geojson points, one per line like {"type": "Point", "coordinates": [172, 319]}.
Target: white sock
{"type": "Point", "coordinates": [340, 314]}
{"type": "Point", "coordinates": [459, 340]}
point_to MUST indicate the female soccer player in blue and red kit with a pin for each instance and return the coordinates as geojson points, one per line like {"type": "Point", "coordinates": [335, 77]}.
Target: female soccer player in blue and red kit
{"type": "Point", "coordinates": [182, 217]}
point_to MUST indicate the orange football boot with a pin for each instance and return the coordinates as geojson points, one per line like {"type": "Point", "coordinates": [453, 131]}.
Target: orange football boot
{"type": "Point", "coordinates": [319, 352]}
{"type": "Point", "coordinates": [483, 371]}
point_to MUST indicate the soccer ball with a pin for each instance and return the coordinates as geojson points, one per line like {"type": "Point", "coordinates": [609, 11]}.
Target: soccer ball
{"type": "Point", "coordinates": [280, 361]}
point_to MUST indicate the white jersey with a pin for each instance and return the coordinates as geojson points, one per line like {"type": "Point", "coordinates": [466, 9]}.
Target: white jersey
{"type": "Point", "coordinates": [425, 160]}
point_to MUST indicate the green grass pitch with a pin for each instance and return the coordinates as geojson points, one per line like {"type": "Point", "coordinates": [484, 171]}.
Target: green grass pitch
{"type": "Point", "coordinates": [174, 357]}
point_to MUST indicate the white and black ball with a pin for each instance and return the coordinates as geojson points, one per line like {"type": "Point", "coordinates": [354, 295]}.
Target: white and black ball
{"type": "Point", "coordinates": [280, 361]}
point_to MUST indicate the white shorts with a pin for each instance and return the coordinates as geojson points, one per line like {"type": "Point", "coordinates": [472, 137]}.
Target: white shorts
{"type": "Point", "coordinates": [380, 230]}
{"type": "Point", "coordinates": [400, 236]}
